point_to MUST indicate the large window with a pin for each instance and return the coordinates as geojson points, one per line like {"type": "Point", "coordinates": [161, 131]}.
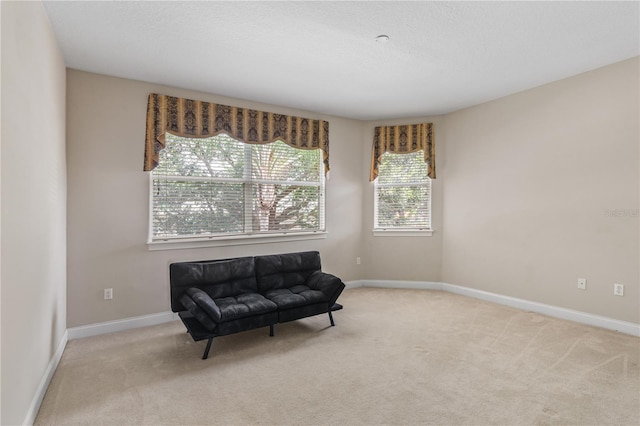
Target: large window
{"type": "Point", "coordinates": [215, 187]}
{"type": "Point", "coordinates": [402, 193]}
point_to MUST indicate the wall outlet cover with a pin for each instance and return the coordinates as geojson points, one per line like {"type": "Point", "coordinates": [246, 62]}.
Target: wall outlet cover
{"type": "Point", "coordinates": [582, 283]}
{"type": "Point", "coordinates": [618, 289]}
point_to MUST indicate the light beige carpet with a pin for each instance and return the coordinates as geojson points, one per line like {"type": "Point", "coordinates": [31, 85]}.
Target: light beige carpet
{"type": "Point", "coordinates": [394, 357]}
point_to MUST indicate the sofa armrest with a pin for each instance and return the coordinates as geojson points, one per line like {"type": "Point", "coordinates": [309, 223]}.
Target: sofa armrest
{"type": "Point", "coordinates": [202, 307]}
{"type": "Point", "coordinates": [329, 284]}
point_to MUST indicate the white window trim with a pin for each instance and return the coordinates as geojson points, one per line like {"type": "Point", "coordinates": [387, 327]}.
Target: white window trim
{"type": "Point", "coordinates": [402, 232]}
{"type": "Point", "coordinates": [377, 185]}
{"type": "Point", "coordinates": [247, 238]}
{"type": "Point", "coordinates": [177, 243]}
{"type": "Point", "coordinates": [233, 240]}
{"type": "Point", "coordinates": [395, 232]}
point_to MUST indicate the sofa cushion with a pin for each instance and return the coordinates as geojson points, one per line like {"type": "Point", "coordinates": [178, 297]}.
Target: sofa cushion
{"type": "Point", "coordinates": [244, 305]}
{"type": "Point", "coordinates": [285, 270]}
{"type": "Point", "coordinates": [218, 278]}
{"type": "Point", "coordinates": [205, 302]}
{"type": "Point", "coordinates": [295, 296]}
{"type": "Point", "coordinates": [188, 301]}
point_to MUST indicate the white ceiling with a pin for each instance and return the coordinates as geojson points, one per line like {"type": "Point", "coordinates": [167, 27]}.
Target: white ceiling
{"type": "Point", "coordinates": [321, 56]}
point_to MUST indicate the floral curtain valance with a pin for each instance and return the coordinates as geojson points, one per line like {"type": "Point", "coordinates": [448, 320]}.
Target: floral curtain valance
{"type": "Point", "coordinates": [404, 139]}
{"type": "Point", "coordinates": [197, 119]}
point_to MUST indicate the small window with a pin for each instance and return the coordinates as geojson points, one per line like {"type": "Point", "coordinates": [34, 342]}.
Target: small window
{"type": "Point", "coordinates": [220, 187]}
{"type": "Point", "coordinates": [402, 193]}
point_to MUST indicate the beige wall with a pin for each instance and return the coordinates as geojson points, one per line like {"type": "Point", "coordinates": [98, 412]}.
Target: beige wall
{"type": "Point", "coordinates": [108, 201]}
{"type": "Point", "coordinates": [542, 188]}
{"type": "Point", "coordinates": [519, 206]}
{"type": "Point", "coordinates": [415, 258]}
{"type": "Point", "coordinates": [33, 204]}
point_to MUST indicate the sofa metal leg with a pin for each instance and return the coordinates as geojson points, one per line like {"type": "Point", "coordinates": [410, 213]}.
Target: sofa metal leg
{"type": "Point", "coordinates": [206, 350]}
{"type": "Point", "coordinates": [331, 319]}
{"type": "Point", "coordinates": [271, 330]}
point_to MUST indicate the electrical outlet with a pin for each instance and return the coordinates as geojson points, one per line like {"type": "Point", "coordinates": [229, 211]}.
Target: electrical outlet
{"type": "Point", "coordinates": [618, 289]}
{"type": "Point", "coordinates": [582, 283]}
{"type": "Point", "coordinates": [357, 260]}
{"type": "Point", "coordinates": [108, 293]}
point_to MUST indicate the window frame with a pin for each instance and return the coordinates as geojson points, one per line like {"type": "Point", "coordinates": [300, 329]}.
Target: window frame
{"type": "Point", "coordinates": [240, 238]}
{"type": "Point", "coordinates": [407, 231]}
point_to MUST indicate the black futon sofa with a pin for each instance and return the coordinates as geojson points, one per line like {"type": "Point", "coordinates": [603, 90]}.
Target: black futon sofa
{"type": "Point", "coordinates": [221, 297]}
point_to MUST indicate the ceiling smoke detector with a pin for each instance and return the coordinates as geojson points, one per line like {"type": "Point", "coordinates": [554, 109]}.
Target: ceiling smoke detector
{"type": "Point", "coordinates": [383, 38]}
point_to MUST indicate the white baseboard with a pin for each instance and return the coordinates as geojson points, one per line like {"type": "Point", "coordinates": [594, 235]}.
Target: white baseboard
{"type": "Point", "coordinates": [414, 285]}
{"type": "Point", "coordinates": [526, 305]}
{"type": "Point", "coordinates": [550, 310]}
{"type": "Point", "coordinates": [353, 284]}
{"type": "Point", "coordinates": [120, 325]}
{"type": "Point", "coordinates": [44, 383]}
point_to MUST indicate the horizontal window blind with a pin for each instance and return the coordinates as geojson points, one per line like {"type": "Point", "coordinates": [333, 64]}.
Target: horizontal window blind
{"type": "Point", "coordinates": [220, 186]}
{"type": "Point", "coordinates": [402, 192]}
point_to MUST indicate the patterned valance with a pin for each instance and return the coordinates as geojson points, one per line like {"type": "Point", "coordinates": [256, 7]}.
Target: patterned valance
{"type": "Point", "coordinates": [403, 140]}
{"type": "Point", "coordinates": [197, 119]}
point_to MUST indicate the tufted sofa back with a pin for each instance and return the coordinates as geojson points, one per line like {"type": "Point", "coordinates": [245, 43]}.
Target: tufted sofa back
{"type": "Point", "coordinates": [285, 270]}
{"type": "Point", "coordinates": [218, 278]}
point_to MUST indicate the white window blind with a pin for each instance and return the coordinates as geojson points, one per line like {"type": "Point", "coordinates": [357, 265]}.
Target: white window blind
{"type": "Point", "coordinates": [402, 193]}
{"type": "Point", "coordinates": [219, 186]}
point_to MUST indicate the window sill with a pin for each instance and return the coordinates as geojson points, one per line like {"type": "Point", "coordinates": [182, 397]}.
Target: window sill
{"type": "Point", "coordinates": [402, 232]}
{"type": "Point", "coordinates": [235, 240]}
